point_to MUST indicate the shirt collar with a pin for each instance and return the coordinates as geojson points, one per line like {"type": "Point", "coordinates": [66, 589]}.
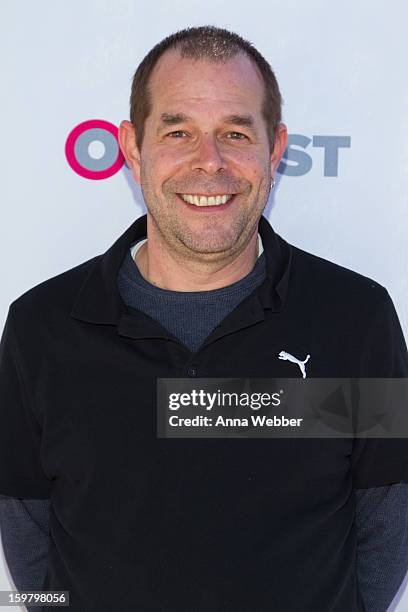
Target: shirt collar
{"type": "Point", "coordinates": [98, 299]}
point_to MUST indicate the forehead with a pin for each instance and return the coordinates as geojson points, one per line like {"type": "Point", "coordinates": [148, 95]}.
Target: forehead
{"type": "Point", "coordinates": [201, 83]}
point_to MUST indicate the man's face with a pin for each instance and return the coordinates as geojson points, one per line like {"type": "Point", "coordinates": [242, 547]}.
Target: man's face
{"type": "Point", "coordinates": [206, 136]}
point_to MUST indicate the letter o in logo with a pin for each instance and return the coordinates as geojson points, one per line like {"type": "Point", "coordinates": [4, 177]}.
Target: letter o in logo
{"type": "Point", "coordinates": [77, 149]}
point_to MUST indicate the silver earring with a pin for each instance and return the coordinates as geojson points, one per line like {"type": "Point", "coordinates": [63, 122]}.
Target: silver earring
{"type": "Point", "coordinates": [272, 183]}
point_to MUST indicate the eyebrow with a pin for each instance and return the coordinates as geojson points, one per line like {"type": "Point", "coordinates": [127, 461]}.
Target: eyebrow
{"type": "Point", "coordinates": [234, 119]}
{"type": "Point", "coordinates": [243, 120]}
{"type": "Point", "coordinates": [169, 119]}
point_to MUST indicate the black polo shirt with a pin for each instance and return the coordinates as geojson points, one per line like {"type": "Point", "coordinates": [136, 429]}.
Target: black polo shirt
{"type": "Point", "coordinates": [205, 525]}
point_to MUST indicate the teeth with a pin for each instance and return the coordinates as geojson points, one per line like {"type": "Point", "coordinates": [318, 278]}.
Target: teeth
{"type": "Point", "coordinates": [206, 201]}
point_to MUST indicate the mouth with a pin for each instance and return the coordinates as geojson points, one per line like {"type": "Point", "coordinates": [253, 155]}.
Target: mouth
{"type": "Point", "coordinates": [207, 203]}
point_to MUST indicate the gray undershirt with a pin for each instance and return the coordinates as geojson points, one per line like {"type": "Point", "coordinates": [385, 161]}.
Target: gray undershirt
{"type": "Point", "coordinates": [189, 315]}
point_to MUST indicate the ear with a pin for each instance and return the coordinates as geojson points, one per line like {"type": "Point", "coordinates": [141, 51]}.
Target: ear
{"type": "Point", "coordinates": [280, 144]}
{"type": "Point", "coordinates": [128, 146]}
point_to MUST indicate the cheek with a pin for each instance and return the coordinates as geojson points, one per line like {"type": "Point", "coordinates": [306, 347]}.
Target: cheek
{"type": "Point", "coordinates": [160, 166]}
{"type": "Point", "coordinates": [254, 167]}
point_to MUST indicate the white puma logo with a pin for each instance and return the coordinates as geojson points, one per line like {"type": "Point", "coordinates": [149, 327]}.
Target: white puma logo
{"type": "Point", "coordinates": [289, 357]}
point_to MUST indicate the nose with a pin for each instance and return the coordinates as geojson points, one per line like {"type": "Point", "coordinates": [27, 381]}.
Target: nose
{"type": "Point", "coordinates": [208, 156]}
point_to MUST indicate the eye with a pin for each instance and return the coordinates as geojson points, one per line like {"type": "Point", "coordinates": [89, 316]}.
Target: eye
{"type": "Point", "coordinates": [176, 134]}
{"type": "Point", "coordinates": [236, 135]}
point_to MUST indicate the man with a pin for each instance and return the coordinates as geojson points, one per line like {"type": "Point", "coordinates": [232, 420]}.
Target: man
{"type": "Point", "coordinates": [201, 286]}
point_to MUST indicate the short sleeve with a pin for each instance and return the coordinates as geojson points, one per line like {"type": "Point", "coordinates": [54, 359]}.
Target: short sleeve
{"type": "Point", "coordinates": [380, 461]}
{"type": "Point", "coordinates": [21, 472]}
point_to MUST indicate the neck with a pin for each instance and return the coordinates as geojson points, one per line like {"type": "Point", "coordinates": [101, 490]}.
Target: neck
{"type": "Point", "coordinates": [166, 268]}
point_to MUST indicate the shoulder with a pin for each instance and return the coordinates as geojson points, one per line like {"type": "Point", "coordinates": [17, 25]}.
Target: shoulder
{"type": "Point", "coordinates": [328, 283]}
{"type": "Point", "coordinates": [53, 294]}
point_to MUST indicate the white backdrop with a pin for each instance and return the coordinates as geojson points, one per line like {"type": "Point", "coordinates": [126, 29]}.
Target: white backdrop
{"type": "Point", "coordinates": [341, 69]}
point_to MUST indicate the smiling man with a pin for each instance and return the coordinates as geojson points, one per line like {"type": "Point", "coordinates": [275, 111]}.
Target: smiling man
{"type": "Point", "coordinates": [211, 143]}
{"type": "Point", "coordinates": [200, 286]}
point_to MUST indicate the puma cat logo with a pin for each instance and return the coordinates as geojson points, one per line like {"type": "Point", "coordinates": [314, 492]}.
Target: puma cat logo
{"type": "Point", "coordinates": [289, 357]}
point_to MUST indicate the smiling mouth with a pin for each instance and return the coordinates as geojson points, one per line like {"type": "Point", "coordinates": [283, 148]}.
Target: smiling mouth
{"type": "Point", "coordinates": [200, 200]}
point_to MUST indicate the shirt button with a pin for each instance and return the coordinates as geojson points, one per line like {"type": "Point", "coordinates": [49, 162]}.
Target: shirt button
{"type": "Point", "coordinates": [192, 371]}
